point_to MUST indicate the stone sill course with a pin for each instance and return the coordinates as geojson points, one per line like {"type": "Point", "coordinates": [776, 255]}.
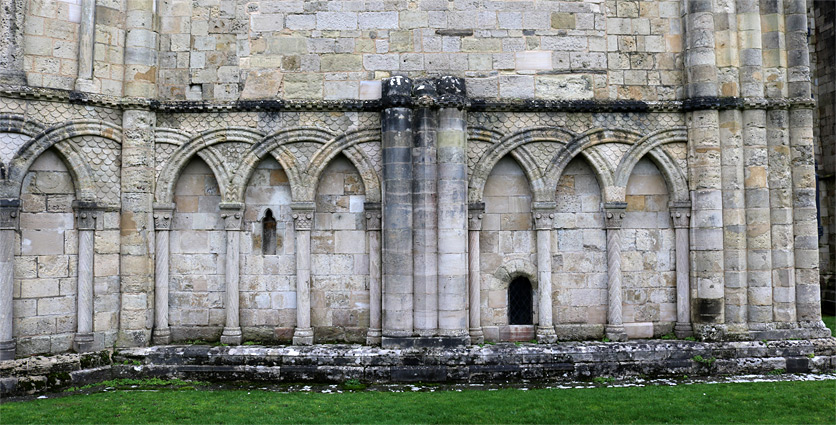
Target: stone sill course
{"type": "Point", "coordinates": [490, 363]}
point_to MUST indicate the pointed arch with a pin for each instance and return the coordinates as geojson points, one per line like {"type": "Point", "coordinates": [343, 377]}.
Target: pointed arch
{"type": "Point", "coordinates": [69, 153]}
{"type": "Point", "coordinates": [598, 164]}
{"type": "Point", "coordinates": [276, 145]}
{"type": "Point", "coordinates": [347, 145]}
{"type": "Point", "coordinates": [511, 144]}
{"type": "Point", "coordinates": [651, 146]}
{"type": "Point", "coordinates": [196, 146]}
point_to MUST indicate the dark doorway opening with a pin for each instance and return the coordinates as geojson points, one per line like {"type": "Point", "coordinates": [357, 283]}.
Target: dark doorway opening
{"type": "Point", "coordinates": [520, 300]}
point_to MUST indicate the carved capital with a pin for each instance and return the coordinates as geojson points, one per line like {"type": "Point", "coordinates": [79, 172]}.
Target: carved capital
{"type": "Point", "coordinates": [162, 219]}
{"type": "Point", "coordinates": [614, 213]}
{"type": "Point", "coordinates": [680, 215]}
{"type": "Point", "coordinates": [373, 215]}
{"type": "Point", "coordinates": [543, 220]}
{"type": "Point", "coordinates": [232, 213]}
{"type": "Point", "coordinates": [475, 213]}
{"type": "Point", "coordinates": [9, 214]}
{"type": "Point", "coordinates": [86, 213]}
{"type": "Point", "coordinates": [303, 220]}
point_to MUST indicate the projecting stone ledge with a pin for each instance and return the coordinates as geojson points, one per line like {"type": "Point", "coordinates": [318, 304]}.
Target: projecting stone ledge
{"type": "Point", "coordinates": [505, 362]}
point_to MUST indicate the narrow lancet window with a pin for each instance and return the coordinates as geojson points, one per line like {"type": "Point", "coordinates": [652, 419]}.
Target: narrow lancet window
{"type": "Point", "coordinates": [520, 300]}
{"type": "Point", "coordinates": [268, 234]}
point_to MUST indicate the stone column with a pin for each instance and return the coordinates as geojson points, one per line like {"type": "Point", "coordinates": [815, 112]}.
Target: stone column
{"type": "Point", "coordinates": [805, 223]}
{"type": "Point", "coordinates": [303, 220]}
{"type": "Point", "coordinates": [373, 232]}
{"type": "Point", "coordinates": [11, 42]}
{"type": "Point", "coordinates": [475, 214]}
{"type": "Point", "coordinates": [681, 217]}
{"type": "Point", "coordinates": [138, 174]}
{"type": "Point", "coordinates": [9, 217]}
{"type": "Point", "coordinates": [86, 214]}
{"type": "Point", "coordinates": [705, 165]}
{"type": "Point", "coordinates": [232, 213]}
{"type": "Point", "coordinates": [543, 225]}
{"type": "Point", "coordinates": [162, 228]}
{"type": "Point", "coordinates": [424, 212]}
{"type": "Point", "coordinates": [396, 122]}
{"type": "Point", "coordinates": [86, 40]}
{"type": "Point", "coordinates": [452, 209]}
{"type": "Point", "coordinates": [614, 215]}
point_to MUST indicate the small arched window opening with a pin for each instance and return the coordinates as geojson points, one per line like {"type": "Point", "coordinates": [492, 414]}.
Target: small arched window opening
{"type": "Point", "coordinates": [520, 300]}
{"type": "Point", "coordinates": [268, 234]}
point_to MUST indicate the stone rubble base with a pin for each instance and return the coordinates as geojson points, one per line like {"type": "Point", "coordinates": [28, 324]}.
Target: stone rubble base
{"type": "Point", "coordinates": [573, 361]}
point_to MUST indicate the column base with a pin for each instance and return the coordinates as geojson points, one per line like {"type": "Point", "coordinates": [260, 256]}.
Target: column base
{"type": "Point", "coordinates": [303, 336]}
{"type": "Point", "coordinates": [424, 342]}
{"type": "Point", "coordinates": [477, 336]}
{"type": "Point", "coordinates": [546, 335]}
{"type": "Point", "coordinates": [231, 336]}
{"type": "Point", "coordinates": [161, 336]}
{"type": "Point", "coordinates": [683, 330]}
{"type": "Point", "coordinates": [13, 78]}
{"type": "Point", "coordinates": [7, 350]}
{"type": "Point", "coordinates": [83, 342]}
{"type": "Point", "coordinates": [84, 85]}
{"type": "Point", "coordinates": [373, 337]}
{"type": "Point", "coordinates": [615, 333]}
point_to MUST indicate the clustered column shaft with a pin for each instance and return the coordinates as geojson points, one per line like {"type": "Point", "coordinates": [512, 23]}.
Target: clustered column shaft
{"type": "Point", "coordinates": [303, 221]}
{"type": "Point", "coordinates": [425, 213]}
{"type": "Point", "coordinates": [452, 210]}
{"type": "Point", "coordinates": [9, 214]}
{"type": "Point", "coordinates": [396, 122]}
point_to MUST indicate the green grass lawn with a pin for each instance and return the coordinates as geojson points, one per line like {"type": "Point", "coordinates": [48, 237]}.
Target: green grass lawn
{"type": "Point", "coordinates": [830, 322]}
{"type": "Point", "coordinates": [767, 402]}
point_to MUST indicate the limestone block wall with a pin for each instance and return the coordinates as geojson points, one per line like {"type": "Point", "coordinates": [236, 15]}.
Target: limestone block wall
{"type": "Point", "coordinates": [339, 256]}
{"type": "Point", "coordinates": [648, 255]}
{"type": "Point", "coordinates": [198, 249]}
{"type": "Point", "coordinates": [46, 262]}
{"type": "Point", "coordinates": [579, 277]}
{"type": "Point", "coordinates": [507, 245]}
{"type": "Point", "coordinates": [340, 49]}
{"type": "Point", "coordinates": [268, 283]}
{"type": "Point", "coordinates": [51, 44]}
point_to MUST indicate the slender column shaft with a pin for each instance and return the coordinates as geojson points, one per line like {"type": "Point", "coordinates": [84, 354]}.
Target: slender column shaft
{"type": "Point", "coordinates": [162, 228]}
{"type": "Point", "coordinates": [543, 224]}
{"type": "Point", "coordinates": [303, 221]}
{"type": "Point", "coordinates": [475, 215]}
{"type": "Point", "coordinates": [86, 40]}
{"type": "Point", "coordinates": [425, 214]}
{"type": "Point", "coordinates": [681, 217]}
{"type": "Point", "coordinates": [373, 233]}
{"type": "Point", "coordinates": [86, 219]}
{"type": "Point", "coordinates": [11, 49]}
{"type": "Point", "coordinates": [8, 226]}
{"type": "Point", "coordinates": [452, 211]}
{"type": "Point", "coordinates": [615, 324]}
{"type": "Point", "coordinates": [397, 140]}
{"type": "Point", "coordinates": [232, 214]}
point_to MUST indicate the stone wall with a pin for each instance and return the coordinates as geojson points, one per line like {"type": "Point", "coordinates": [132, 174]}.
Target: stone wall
{"type": "Point", "coordinates": [198, 248]}
{"type": "Point", "coordinates": [46, 267]}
